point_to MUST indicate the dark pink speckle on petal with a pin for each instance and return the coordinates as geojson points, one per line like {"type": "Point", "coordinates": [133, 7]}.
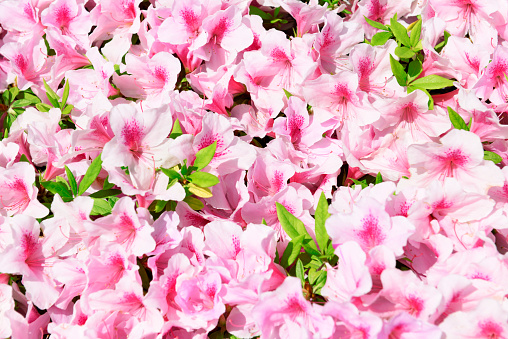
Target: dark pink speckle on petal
{"type": "Point", "coordinates": [370, 234]}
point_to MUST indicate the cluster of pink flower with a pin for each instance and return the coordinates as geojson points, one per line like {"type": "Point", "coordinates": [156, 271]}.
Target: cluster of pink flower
{"type": "Point", "coordinates": [175, 168]}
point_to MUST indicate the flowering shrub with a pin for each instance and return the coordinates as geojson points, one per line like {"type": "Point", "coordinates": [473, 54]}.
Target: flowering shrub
{"type": "Point", "coordinates": [235, 169]}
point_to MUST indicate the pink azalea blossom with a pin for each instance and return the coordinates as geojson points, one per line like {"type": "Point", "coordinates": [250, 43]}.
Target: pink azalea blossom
{"type": "Point", "coordinates": [18, 194]}
{"type": "Point", "coordinates": [284, 312]}
{"type": "Point", "coordinates": [370, 226]}
{"type": "Point", "coordinates": [488, 320]}
{"type": "Point", "coordinates": [458, 155]}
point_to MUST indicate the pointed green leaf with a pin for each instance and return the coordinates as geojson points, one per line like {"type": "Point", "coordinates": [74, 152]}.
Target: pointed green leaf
{"type": "Point", "coordinates": [62, 180]}
{"type": "Point", "coordinates": [65, 95]}
{"type": "Point", "coordinates": [194, 203]}
{"type": "Point", "coordinates": [404, 52]}
{"type": "Point", "coordinates": [432, 81]}
{"type": "Point", "coordinates": [21, 103]}
{"type": "Point", "coordinates": [415, 33]}
{"type": "Point", "coordinates": [177, 130]}
{"type": "Point", "coordinates": [292, 251]}
{"type": "Point", "coordinates": [379, 179]}
{"type": "Point", "coordinates": [159, 205]}
{"type": "Point", "coordinates": [100, 207]}
{"type": "Point", "coordinates": [72, 181]}
{"type": "Point", "coordinates": [300, 272]}
{"type": "Point", "coordinates": [376, 24]}
{"type": "Point", "coordinates": [43, 107]}
{"type": "Point", "coordinates": [443, 43]}
{"type": "Point", "coordinates": [171, 173]}
{"type": "Point", "coordinates": [14, 92]}
{"type": "Point", "coordinates": [30, 97]}
{"type": "Point", "coordinates": [203, 179]}
{"type": "Point", "coordinates": [494, 157]}
{"type": "Point", "coordinates": [67, 109]}
{"type": "Point", "coordinates": [6, 98]}
{"type": "Point", "coordinates": [414, 69]}
{"type": "Point", "coordinates": [457, 120]}
{"type": "Point", "coordinates": [362, 183]}
{"type": "Point", "coordinates": [288, 95]}
{"type": "Point", "coordinates": [201, 192]}
{"type": "Point", "coordinates": [294, 227]}
{"type": "Point", "coordinates": [105, 193]}
{"type": "Point", "coordinates": [320, 216]}
{"type": "Point", "coordinates": [204, 156]}
{"type": "Point", "coordinates": [256, 11]}
{"type": "Point", "coordinates": [380, 38]}
{"type": "Point", "coordinates": [58, 188]}
{"type": "Point", "coordinates": [91, 174]}
{"type": "Point", "coordinates": [400, 32]}
{"type": "Point", "coordinates": [319, 282]}
{"type": "Point", "coordinates": [291, 224]}
{"type": "Point", "coordinates": [52, 97]}
{"type": "Point", "coordinates": [398, 71]}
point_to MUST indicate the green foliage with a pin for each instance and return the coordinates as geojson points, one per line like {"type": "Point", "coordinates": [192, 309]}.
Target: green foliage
{"type": "Point", "coordinates": [302, 258]}
{"type": "Point", "coordinates": [91, 174]}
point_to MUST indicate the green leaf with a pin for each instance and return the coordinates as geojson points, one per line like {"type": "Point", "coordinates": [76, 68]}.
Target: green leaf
{"type": "Point", "coordinates": [203, 179]}
{"type": "Point", "coordinates": [171, 173]}
{"type": "Point", "coordinates": [100, 207]}
{"type": "Point", "coordinates": [62, 180]}
{"type": "Point", "coordinates": [276, 12]}
{"type": "Point", "coordinates": [177, 130]}
{"type": "Point", "coordinates": [65, 95]}
{"type": "Point", "coordinates": [43, 107]}
{"type": "Point", "coordinates": [13, 92]}
{"type": "Point", "coordinates": [457, 120]}
{"type": "Point", "coordinates": [21, 103]}
{"type": "Point", "coordinates": [67, 109]}
{"type": "Point", "coordinates": [291, 224]}
{"type": "Point", "coordinates": [30, 97]}
{"type": "Point", "coordinates": [72, 181]}
{"type": "Point", "coordinates": [300, 272]}
{"type": "Point", "coordinates": [294, 227]}
{"type": "Point", "coordinates": [375, 24]}
{"type": "Point", "coordinates": [105, 193]}
{"type": "Point", "coordinates": [398, 71]}
{"type": "Point", "coordinates": [288, 95]}
{"type": "Point", "coordinates": [256, 11]}
{"type": "Point", "coordinates": [414, 69]}
{"type": "Point", "coordinates": [194, 203]}
{"type": "Point", "coordinates": [319, 281]}
{"type": "Point", "coordinates": [415, 33]}
{"type": "Point", "coordinates": [204, 156]}
{"type": "Point", "coordinates": [107, 185]}
{"type": "Point", "coordinates": [400, 32]}
{"type": "Point", "coordinates": [23, 158]}
{"type": "Point", "coordinates": [6, 98]}
{"type": "Point", "coordinates": [443, 43]}
{"type": "Point", "coordinates": [52, 97]}
{"type": "Point", "coordinates": [432, 81]}
{"type": "Point", "coordinates": [404, 52]}
{"type": "Point", "coordinates": [320, 217]}
{"type": "Point", "coordinates": [91, 174]}
{"type": "Point", "coordinates": [379, 179]}
{"type": "Point", "coordinates": [201, 192]}
{"type": "Point", "coordinates": [380, 38]}
{"type": "Point", "coordinates": [112, 201]}
{"type": "Point", "coordinates": [496, 158]}
{"type": "Point", "coordinates": [58, 188]}
{"type": "Point", "coordinates": [292, 251]}
{"type": "Point", "coordinates": [361, 183]}
{"type": "Point", "coordinates": [159, 206]}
